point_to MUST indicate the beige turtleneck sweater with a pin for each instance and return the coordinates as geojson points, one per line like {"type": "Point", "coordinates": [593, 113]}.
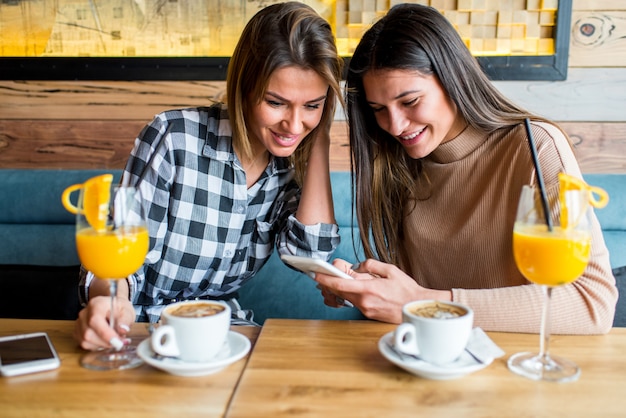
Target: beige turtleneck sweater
{"type": "Point", "coordinates": [459, 236]}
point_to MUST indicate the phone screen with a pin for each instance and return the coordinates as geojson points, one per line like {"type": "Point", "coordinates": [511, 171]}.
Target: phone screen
{"type": "Point", "coordinates": [20, 350]}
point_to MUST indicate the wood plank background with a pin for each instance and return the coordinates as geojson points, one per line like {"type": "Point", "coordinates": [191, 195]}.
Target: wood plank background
{"type": "Point", "coordinates": [81, 144]}
{"type": "Point", "coordinates": [88, 124]}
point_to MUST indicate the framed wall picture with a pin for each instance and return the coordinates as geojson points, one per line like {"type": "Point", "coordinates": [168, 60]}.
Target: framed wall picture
{"type": "Point", "coordinates": [193, 39]}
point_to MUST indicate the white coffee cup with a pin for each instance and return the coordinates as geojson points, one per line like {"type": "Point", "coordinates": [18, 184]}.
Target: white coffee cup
{"type": "Point", "coordinates": [193, 331]}
{"type": "Point", "coordinates": [436, 331]}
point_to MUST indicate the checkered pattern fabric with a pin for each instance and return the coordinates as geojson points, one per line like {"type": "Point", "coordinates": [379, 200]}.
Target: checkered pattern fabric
{"type": "Point", "coordinates": [209, 233]}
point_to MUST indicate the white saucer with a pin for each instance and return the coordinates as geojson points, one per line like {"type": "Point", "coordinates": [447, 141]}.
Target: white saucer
{"type": "Point", "coordinates": [464, 365]}
{"type": "Point", "coordinates": [235, 348]}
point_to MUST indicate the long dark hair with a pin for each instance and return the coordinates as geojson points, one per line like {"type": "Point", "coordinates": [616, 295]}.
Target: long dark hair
{"type": "Point", "coordinates": [416, 38]}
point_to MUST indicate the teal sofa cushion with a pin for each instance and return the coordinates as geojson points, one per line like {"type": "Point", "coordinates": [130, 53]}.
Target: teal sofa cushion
{"type": "Point", "coordinates": [38, 248]}
{"type": "Point", "coordinates": [35, 228]}
{"type": "Point", "coordinates": [37, 236]}
{"type": "Point", "coordinates": [612, 218]}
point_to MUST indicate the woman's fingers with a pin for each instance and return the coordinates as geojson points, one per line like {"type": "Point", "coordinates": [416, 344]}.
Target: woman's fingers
{"type": "Point", "coordinates": [92, 329]}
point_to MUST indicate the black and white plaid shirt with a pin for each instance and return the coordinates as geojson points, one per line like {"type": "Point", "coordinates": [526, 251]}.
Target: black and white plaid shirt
{"type": "Point", "coordinates": [209, 233]}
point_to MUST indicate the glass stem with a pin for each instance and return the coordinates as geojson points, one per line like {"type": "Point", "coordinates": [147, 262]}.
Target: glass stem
{"type": "Point", "coordinates": [544, 345]}
{"type": "Point", "coordinates": [113, 291]}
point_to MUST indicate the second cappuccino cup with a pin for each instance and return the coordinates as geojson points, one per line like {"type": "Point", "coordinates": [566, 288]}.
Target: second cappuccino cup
{"type": "Point", "coordinates": [436, 331]}
{"type": "Point", "coordinates": [193, 331]}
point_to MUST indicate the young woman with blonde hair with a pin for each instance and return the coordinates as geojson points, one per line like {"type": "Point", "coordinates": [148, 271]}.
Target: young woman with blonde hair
{"type": "Point", "coordinates": [226, 184]}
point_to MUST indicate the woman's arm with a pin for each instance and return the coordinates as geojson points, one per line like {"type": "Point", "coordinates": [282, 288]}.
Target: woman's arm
{"type": "Point", "coordinates": [316, 201]}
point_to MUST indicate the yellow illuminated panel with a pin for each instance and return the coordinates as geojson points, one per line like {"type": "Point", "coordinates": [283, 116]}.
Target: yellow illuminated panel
{"type": "Point", "coordinates": [206, 28]}
{"type": "Point", "coordinates": [488, 27]}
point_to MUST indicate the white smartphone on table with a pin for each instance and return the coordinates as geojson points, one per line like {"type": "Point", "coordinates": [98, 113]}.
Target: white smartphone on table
{"type": "Point", "coordinates": [27, 353]}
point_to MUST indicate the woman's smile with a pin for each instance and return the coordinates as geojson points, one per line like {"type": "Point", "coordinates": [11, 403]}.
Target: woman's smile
{"type": "Point", "coordinates": [412, 138]}
{"type": "Point", "coordinates": [285, 140]}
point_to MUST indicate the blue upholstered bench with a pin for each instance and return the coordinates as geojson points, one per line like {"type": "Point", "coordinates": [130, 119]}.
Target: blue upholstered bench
{"type": "Point", "coordinates": [38, 261]}
{"type": "Point", "coordinates": [39, 264]}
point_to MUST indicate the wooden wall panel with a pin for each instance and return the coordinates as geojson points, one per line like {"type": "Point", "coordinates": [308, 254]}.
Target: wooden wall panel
{"type": "Point", "coordinates": [601, 43]}
{"type": "Point", "coordinates": [599, 147]}
{"type": "Point", "coordinates": [78, 144]}
{"type": "Point", "coordinates": [102, 100]}
{"type": "Point", "coordinates": [82, 144]}
{"type": "Point", "coordinates": [588, 94]}
{"type": "Point", "coordinates": [598, 39]}
{"type": "Point", "coordinates": [69, 144]}
{"type": "Point", "coordinates": [85, 124]}
{"type": "Point", "coordinates": [594, 5]}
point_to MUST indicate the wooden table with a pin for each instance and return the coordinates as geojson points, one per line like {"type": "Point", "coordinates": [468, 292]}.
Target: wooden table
{"type": "Point", "coordinates": [73, 391]}
{"type": "Point", "coordinates": [334, 369]}
{"type": "Point", "coordinates": [317, 369]}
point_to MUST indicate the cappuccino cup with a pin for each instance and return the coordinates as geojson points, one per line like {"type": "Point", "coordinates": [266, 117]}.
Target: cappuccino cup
{"type": "Point", "coordinates": [193, 331]}
{"type": "Point", "coordinates": [435, 331]}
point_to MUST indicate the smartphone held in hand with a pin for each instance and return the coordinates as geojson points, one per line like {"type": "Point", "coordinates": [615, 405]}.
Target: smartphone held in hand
{"type": "Point", "coordinates": [27, 353]}
{"type": "Point", "coordinates": [314, 265]}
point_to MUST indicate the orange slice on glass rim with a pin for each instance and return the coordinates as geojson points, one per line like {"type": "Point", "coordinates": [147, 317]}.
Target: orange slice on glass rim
{"type": "Point", "coordinates": [598, 198]}
{"type": "Point", "coordinates": [96, 196]}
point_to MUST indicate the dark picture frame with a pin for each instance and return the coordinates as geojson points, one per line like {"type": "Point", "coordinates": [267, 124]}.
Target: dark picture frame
{"type": "Point", "coordinates": [536, 68]}
{"type": "Point", "coordinates": [498, 68]}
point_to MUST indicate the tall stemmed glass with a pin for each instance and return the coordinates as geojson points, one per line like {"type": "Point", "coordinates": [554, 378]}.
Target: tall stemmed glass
{"type": "Point", "coordinates": [112, 243]}
{"type": "Point", "coordinates": [550, 256]}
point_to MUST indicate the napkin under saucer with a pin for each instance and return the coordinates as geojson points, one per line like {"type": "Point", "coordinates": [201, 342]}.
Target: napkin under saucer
{"type": "Point", "coordinates": [235, 348]}
{"type": "Point", "coordinates": [480, 345]}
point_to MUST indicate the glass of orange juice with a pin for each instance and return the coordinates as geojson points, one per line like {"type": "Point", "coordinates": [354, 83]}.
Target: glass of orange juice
{"type": "Point", "coordinates": [550, 254]}
{"type": "Point", "coordinates": [112, 243]}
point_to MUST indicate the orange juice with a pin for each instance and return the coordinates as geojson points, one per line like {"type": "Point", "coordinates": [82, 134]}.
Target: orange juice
{"type": "Point", "coordinates": [550, 258]}
{"type": "Point", "coordinates": [112, 254]}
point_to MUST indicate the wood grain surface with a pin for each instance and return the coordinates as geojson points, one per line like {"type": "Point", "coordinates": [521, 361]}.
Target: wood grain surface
{"type": "Point", "coordinates": [82, 144]}
{"type": "Point", "coordinates": [92, 124]}
{"type": "Point", "coordinates": [334, 369]}
{"type": "Point", "coordinates": [73, 391]}
{"type": "Point", "coordinates": [310, 368]}
{"type": "Point", "coordinates": [598, 38]}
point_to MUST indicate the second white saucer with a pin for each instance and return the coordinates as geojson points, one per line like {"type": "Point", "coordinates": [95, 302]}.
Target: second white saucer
{"type": "Point", "coordinates": [464, 365]}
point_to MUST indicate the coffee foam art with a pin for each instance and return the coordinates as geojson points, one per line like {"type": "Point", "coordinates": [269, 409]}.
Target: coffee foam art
{"type": "Point", "coordinates": [438, 311]}
{"type": "Point", "coordinates": [197, 310]}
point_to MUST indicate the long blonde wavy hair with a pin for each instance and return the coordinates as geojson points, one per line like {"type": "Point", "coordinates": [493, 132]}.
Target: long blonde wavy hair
{"type": "Point", "coordinates": [278, 36]}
